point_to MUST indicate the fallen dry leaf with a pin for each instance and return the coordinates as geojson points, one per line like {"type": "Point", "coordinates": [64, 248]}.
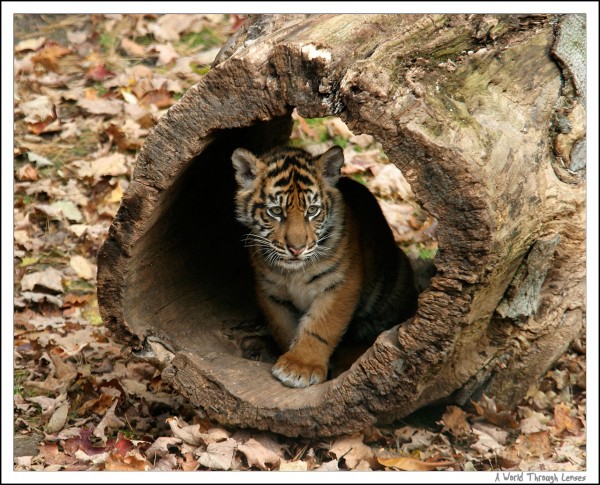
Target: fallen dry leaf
{"type": "Point", "coordinates": [561, 377]}
{"type": "Point", "coordinates": [74, 300]}
{"type": "Point", "coordinates": [63, 370]}
{"type": "Point", "coordinates": [498, 434]}
{"type": "Point", "coordinates": [51, 455]}
{"type": "Point", "coordinates": [98, 406]}
{"type": "Point", "coordinates": [82, 267]}
{"type": "Point", "coordinates": [131, 462]}
{"type": "Point", "coordinates": [415, 439]}
{"type": "Point", "coordinates": [133, 130]}
{"type": "Point", "coordinates": [485, 441]}
{"type": "Point", "coordinates": [190, 434]}
{"type": "Point", "coordinates": [412, 464]}
{"type": "Point", "coordinates": [51, 323]}
{"type": "Point", "coordinates": [166, 53]}
{"type": "Point", "coordinates": [86, 445]}
{"type": "Point", "coordinates": [23, 239]}
{"type": "Point", "coordinates": [123, 445]}
{"type": "Point", "coordinates": [336, 127]}
{"type": "Point", "coordinates": [49, 125]}
{"type": "Point", "coordinates": [49, 278]}
{"type": "Point", "coordinates": [111, 165]}
{"type": "Point", "coordinates": [39, 160]}
{"type": "Point", "coordinates": [454, 421]}
{"type": "Point", "coordinates": [563, 421]}
{"type": "Point", "coordinates": [27, 173]}
{"type": "Point", "coordinates": [206, 57]}
{"type": "Point", "coordinates": [62, 208]}
{"type": "Point", "coordinates": [167, 463]}
{"type": "Point", "coordinates": [532, 424]}
{"type": "Point", "coordinates": [48, 404]}
{"type": "Point", "coordinates": [36, 298]}
{"type": "Point", "coordinates": [145, 116]}
{"type": "Point", "coordinates": [170, 26]}
{"type": "Point", "coordinates": [110, 420]}
{"type": "Point", "coordinates": [189, 463]}
{"type": "Point", "coordinates": [390, 183]}
{"type": "Point", "coordinates": [24, 66]}
{"type": "Point", "coordinates": [132, 48]}
{"type": "Point", "coordinates": [102, 106]}
{"type": "Point", "coordinates": [49, 55]}
{"type": "Point", "coordinates": [258, 455]}
{"type": "Point", "coordinates": [23, 461]}
{"type": "Point", "coordinates": [30, 44]}
{"type": "Point", "coordinates": [293, 466]}
{"type": "Point", "coordinates": [115, 195]}
{"type": "Point", "coordinates": [486, 408]}
{"type": "Point", "coordinates": [218, 456]}
{"type": "Point", "coordinates": [271, 443]}
{"type": "Point", "coordinates": [133, 386]}
{"type": "Point", "coordinates": [215, 435]}
{"type": "Point", "coordinates": [305, 129]}
{"type": "Point", "coordinates": [329, 466]}
{"type": "Point", "coordinates": [161, 98]}
{"type": "Point", "coordinates": [363, 466]}
{"type": "Point", "coordinates": [96, 459]}
{"type": "Point", "coordinates": [534, 444]}
{"type": "Point", "coordinates": [58, 419]}
{"type": "Point", "coordinates": [352, 449]}
{"type": "Point", "coordinates": [160, 447]}
{"type": "Point", "coordinates": [363, 140]}
{"type": "Point", "coordinates": [98, 73]}
{"type": "Point", "coordinates": [77, 37]}
{"type": "Point", "coordinates": [38, 109]}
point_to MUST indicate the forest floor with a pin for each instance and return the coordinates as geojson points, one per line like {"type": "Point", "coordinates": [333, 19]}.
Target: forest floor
{"type": "Point", "coordinates": [87, 90]}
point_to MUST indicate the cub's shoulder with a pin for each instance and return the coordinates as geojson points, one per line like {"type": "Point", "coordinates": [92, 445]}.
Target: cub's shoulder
{"type": "Point", "coordinates": [366, 209]}
{"type": "Point", "coordinates": [357, 196]}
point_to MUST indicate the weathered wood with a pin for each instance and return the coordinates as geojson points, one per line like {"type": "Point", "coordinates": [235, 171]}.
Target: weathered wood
{"type": "Point", "coordinates": [466, 107]}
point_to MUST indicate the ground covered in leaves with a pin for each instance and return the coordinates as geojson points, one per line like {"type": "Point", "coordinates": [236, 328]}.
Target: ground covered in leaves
{"type": "Point", "coordinates": [87, 91]}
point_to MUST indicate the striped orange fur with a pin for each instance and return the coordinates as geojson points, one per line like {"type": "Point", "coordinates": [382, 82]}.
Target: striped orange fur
{"type": "Point", "coordinates": [324, 258]}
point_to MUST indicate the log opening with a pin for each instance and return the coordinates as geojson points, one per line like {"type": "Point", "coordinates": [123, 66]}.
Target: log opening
{"type": "Point", "coordinates": [190, 286]}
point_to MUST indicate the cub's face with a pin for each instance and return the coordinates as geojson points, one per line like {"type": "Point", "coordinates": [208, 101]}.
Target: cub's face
{"type": "Point", "coordinates": [287, 199]}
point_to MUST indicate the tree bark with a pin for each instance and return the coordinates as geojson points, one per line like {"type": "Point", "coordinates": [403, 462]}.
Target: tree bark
{"type": "Point", "coordinates": [482, 114]}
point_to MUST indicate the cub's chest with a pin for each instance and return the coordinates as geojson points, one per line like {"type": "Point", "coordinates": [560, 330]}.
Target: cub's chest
{"type": "Point", "coordinates": [301, 288]}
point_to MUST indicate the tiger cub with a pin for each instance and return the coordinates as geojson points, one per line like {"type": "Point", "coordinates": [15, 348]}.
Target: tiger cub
{"type": "Point", "coordinates": [325, 262]}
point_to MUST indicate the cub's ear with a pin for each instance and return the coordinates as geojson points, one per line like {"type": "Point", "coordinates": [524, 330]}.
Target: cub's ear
{"type": "Point", "coordinates": [330, 164]}
{"type": "Point", "coordinates": [246, 167]}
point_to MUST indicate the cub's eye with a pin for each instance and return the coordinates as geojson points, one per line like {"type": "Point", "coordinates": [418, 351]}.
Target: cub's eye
{"type": "Point", "coordinates": [313, 210]}
{"type": "Point", "coordinates": [275, 212]}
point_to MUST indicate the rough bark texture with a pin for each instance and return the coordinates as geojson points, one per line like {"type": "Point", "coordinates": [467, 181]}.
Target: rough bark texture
{"type": "Point", "coordinates": [470, 108]}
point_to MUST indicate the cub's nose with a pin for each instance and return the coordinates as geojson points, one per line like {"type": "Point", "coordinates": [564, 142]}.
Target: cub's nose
{"type": "Point", "coordinates": [296, 251]}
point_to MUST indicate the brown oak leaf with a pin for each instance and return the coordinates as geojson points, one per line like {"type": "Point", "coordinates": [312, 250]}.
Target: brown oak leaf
{"type": "Point", "coordinates": [454, 421]}
{"type": "Point", "coordinates": [412, 464]}
{"type": "Point", "coordinates": [259, 455]}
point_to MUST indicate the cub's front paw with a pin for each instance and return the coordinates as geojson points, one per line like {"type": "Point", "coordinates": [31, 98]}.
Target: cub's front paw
{"type": "Point", "coordinates": [294, 373]}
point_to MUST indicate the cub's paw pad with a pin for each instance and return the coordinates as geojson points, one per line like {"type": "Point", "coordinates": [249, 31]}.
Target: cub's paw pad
{"type": "Point", "coordinates": [298, 374]}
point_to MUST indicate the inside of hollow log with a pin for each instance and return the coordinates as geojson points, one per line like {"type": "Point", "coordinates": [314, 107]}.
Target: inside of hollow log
{"type": "Point", "coordinates": [191, 285]}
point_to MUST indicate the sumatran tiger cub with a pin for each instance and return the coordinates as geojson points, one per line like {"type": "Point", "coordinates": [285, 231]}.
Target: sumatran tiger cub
{"type": "Point", "coordinates": [324, 258]}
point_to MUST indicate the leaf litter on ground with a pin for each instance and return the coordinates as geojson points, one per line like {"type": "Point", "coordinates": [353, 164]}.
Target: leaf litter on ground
{"type": "Point", "coordinates": [87, 91]}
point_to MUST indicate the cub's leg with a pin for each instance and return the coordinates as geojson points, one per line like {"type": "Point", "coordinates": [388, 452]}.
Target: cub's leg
{"type": "Point", "coordinates": [282, 316]}
{"type": "Point", "coordinates": [318, 333]}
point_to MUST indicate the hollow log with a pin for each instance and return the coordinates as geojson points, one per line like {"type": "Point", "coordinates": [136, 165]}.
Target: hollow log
{"type": "Point", "coordinates": [483, 114]}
